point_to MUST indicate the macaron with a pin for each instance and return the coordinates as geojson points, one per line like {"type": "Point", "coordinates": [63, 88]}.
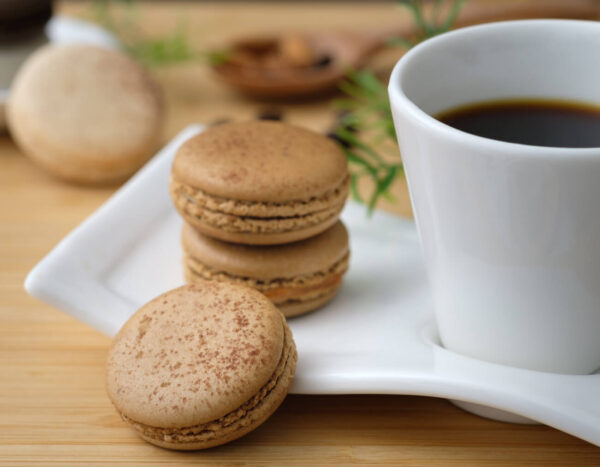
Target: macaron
{"type": "Point", "coordinates": [201, 365]}
{"type": "Point", "coordinates": [259, 182]}
{"type": "Point", "coordinates": [298, 277]}
{"type": "Point", "coordinates": [85, 114]}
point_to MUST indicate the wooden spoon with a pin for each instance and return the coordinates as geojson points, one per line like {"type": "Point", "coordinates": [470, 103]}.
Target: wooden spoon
{"type": "Point", "coordinates": [294, 65]}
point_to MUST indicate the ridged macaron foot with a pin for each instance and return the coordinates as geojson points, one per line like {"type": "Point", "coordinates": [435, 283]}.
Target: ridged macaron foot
{"type": "Point", "coordinates": [259, 182]}
{"type": "Point", "coordinates": [201, 365]}
{"type": "Point", "coordinates": [85, 114]}
{"type": "Point", "coordinates": [298, 277]}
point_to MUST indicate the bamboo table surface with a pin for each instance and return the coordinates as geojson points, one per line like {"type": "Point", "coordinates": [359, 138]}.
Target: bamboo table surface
{"type": "Point", "coordinates": [53, 406]}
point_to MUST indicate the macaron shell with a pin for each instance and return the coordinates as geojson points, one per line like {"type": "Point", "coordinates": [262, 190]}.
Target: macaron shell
{"type": "Point", "coordinates": [262, 238]}
{"type": "Point", "coordinates": [261, 161]}
{"type": "Point", "coordinates": [296, 308]}
{"type": "Point", "coordinates": [85, 114]}
{"type": "Point", "coordinates": [304, 257]}
{"type": "Point", "coordinates": [194, 354]}
{"type": "Point", "coordinates": [251, 419]}
{"type": "Point", "coordinates": [292, 296]}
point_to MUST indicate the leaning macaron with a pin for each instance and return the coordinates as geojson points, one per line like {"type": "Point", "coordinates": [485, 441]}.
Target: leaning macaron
{"type": "Point", "coordinates": [260, 182]}
{"type": "Point", "coordinates": [201, 365]}
{"type": "Point", "coordinates": [298, 277]}
{"type": "Point", "coordinates": [85, 114]}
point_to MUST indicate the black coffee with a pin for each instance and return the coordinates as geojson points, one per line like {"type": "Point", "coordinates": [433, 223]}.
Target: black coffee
{"type": "Point", "coordinates": [534, 122]}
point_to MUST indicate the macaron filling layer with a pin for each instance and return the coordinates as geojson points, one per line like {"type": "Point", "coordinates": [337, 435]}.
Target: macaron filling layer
{"type": "Point", "coordinates": [279, 290]}
{"type": "Point", "coordinates": [261, 209]}
{"type": "Point", "coordinates": [239, 216]}
{"type": "Point", "coordinates": [261, 405]}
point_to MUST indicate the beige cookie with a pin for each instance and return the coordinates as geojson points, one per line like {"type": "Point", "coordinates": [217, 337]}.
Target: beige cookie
{"type": "Point", "coordinates": [85, 114]}
{"type": "Point", "coordinates": [260, 182]}
{"type": "Point", "coordinates": [298, 277]}
{"type": "Point", "coordinates": [201, 365]}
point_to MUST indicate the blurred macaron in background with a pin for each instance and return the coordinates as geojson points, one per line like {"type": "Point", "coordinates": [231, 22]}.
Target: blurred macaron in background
{"type": "Point", "coordinates": [81, 109]}
{"type": "Point", "coordinates": [26, 25]}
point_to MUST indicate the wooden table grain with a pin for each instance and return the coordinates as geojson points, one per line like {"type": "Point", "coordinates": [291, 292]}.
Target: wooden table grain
{"type": "Point", "coordinates": [53, 406]}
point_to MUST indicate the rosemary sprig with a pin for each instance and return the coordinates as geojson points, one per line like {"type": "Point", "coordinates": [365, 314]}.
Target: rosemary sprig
{"type": "Point", "coordinates": [428, 25]}
{"type": "Point", "coordinates": [367, 111]}
{"type": "Point", "coordinates": [366, 128]}
{"type": "Point", "coordinates": [169, 49]}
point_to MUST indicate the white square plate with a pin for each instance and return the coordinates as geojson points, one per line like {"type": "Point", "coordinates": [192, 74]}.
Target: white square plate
{"type": "Point", "coordinates": [377, 336]}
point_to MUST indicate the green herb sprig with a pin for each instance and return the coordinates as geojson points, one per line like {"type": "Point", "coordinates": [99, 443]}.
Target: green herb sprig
{"type": "Point", "coordinates": [121, 18]}
{"type": "Point", "coordinates": [367, 111]}
{"type": "Point", "coordinates": [428, 25]}
{"type": "Point", "coordinates": [366, 129]}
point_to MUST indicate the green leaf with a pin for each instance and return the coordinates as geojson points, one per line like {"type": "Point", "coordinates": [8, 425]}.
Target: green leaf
{"type": "Point", "coordinates": [383, 184]}
{"type": "Point", "coordinates": [354, 159]}
{"type": "Point", "coordinates": [368, 81]}
{"type": "Point", "coordinates": [435, 13]}
{"type": "Point", "coordinates": [401, 42]}
{"type": "Point", "coordinates": [354, 141]}
{"type": "Point", "coordinates": [451, 18]}
{"type": "Point", "coordinates": [388, 197]}
{"type": "Point", "coordinates": [415, 9]}
{"type": "Point", "coordinates": [171, 48]}
{"type": "Point", "coordinates": [354, 188]}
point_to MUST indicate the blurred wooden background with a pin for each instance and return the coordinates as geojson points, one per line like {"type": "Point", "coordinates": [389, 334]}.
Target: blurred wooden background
{"type": "Point", "coordinates": [53, 407]}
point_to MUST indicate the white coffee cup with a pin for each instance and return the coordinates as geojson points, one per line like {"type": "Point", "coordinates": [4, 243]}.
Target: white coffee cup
{"type": "Point", "coordinates": [511, 233]}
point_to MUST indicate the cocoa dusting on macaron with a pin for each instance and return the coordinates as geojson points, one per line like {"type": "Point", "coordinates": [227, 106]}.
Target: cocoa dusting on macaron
{"type": "Point", "coordinates": [260, 182]}
{"type": "Point", "coordinates": [201, 365]}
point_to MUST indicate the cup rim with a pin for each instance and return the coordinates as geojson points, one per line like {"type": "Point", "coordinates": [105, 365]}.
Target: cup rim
{"type": "Point", "coordinates": [398, 97]}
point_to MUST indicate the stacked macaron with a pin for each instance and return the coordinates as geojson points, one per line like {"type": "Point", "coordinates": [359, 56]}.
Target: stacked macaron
{"type": "Point", "coordinates": [261, 203]}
